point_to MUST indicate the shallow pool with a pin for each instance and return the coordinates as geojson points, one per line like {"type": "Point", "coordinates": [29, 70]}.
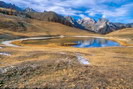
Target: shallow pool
{"type": "Point", "coordinates": [78, 42]}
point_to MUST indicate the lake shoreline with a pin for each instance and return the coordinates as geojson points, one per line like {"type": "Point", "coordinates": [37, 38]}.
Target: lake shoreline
{"type": "Point", "coordinates": [12, 43]}
{"type": "Point", "coordinates": [51, 67]}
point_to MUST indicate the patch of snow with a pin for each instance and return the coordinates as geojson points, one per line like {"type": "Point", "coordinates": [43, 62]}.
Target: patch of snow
{"type": "Point", "coordinates": [8, 43]}
{"type": "Point", "coordinates": [101, 26]}
{"type": "Point", "coordinates": [5, 54]}
{"type": "Point", "coordinates": [82, 60]}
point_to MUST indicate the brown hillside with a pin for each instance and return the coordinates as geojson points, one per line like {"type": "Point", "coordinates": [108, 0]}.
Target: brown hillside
{"type": "Point", "coordinates": [49, 16]}
{"type": "Point", "coordinates": [32, 27]}
{"type": "Point", "coordinates": [8, 11]}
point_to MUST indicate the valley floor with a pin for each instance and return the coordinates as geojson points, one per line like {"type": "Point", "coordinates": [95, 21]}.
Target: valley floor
{"type": "Point", "coordinates": [59, 68]}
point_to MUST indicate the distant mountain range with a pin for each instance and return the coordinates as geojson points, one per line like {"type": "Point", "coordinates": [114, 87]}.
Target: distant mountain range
{"type": "Point", "coordinates": [9, 5]}
{"type": "Point", "coordinates": [102, 26]}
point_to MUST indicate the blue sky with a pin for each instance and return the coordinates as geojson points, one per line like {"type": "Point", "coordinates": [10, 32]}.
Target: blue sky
{"type": "Point", "coordinates": [114, 10]}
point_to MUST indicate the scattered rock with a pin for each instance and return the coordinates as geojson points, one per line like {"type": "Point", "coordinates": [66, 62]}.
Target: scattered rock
{"type": "Point", "coordinates": [5, 69]}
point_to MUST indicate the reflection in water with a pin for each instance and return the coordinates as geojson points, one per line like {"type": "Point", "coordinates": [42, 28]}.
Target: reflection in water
{"type": "Point", "coordinates": [78, 42]}
{"type": "Point", "coordinates": [95, 42]}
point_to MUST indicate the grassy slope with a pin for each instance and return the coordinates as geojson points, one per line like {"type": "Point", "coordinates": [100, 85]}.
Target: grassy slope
{"type": "Point", "coordinates": [57, 67]}
{"type": "Point", "coordinates": [36, 27]}
{"type": "Point", "coordinates": [124, 34]}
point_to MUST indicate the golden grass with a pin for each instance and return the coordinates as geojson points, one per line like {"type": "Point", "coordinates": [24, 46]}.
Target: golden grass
{"type": "Point", "coordinates": [108, 61]}
{"type": "Point", "coordinates": [111, 67]}
{"type": "Point", "coordinates": [42, 28]}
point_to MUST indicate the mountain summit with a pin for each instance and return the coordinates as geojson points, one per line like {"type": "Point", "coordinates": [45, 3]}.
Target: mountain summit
{"type": "Point", "coordinates": [29, 10]}
{"type": "Point", "coordinates": [102, 26]}
{"type": "Point", "coordinates": [87, 23]}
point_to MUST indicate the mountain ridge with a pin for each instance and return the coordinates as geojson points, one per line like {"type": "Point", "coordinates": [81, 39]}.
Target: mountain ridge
{"type": "Point", "coordinates": [102, 26]}
{"type": "Point", "coordinates": [9, 6]}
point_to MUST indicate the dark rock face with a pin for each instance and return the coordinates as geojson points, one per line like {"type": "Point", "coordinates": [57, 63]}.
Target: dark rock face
{"type": "Point", "coordinates": [14, 12]}
{"type": "Point", "coordinates": [121, 25]}
{"type": "Point", "coordinates": [130, 25]}
{"type": "Point", "coordinates": [74, 22]}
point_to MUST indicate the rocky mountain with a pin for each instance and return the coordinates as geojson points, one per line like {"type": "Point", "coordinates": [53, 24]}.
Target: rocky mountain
{"type": "Point", "coordinates": [121, 25]}
{"type": "Point", "coordinates": [9, 5]}
{"type": "Point", "coordinates": [11, 9]}
{"type": "Point", "coordinates": [13, 12]}
{"type": "Point", "coordinates": [130, 25]}
{"type": "Point", "coordinates": [29, 10]}
{"type": "Point", "coordinates": [102, 26]}
{"type": "Point", "coordinates": [74, 22]}
{"type": "Point", "coordinates": [87, 23]}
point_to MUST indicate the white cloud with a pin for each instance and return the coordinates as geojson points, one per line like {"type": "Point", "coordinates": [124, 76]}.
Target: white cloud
{"type": "Point", "coordinates": [82, 16]}
{"type": "Point", "coordinates": [71, 7]}
{"type": "Point", "coordinates": [121, 11]}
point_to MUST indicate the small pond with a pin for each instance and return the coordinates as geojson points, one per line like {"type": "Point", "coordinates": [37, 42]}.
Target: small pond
{"type": "Point", "coordinates": [78, 42]}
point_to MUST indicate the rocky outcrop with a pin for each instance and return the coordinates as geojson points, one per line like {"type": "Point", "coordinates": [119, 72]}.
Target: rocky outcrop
{"type": "Point", "coordinates": [18, 26]}
{"type": "Point", "coordinates": [74, 22]}
{"type": "Point", "coordinates": [87, 23]}
{"type": "Point", "coordinates": [29, 10]}
{"type": "Point", "coordinates": [14, 12]}
{"type": "Point", "coordinates": [102, 26]}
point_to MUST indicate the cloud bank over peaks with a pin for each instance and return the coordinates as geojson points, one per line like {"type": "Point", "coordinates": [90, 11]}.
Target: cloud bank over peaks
{"type": "Point", "coordinates": [114, 10]}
